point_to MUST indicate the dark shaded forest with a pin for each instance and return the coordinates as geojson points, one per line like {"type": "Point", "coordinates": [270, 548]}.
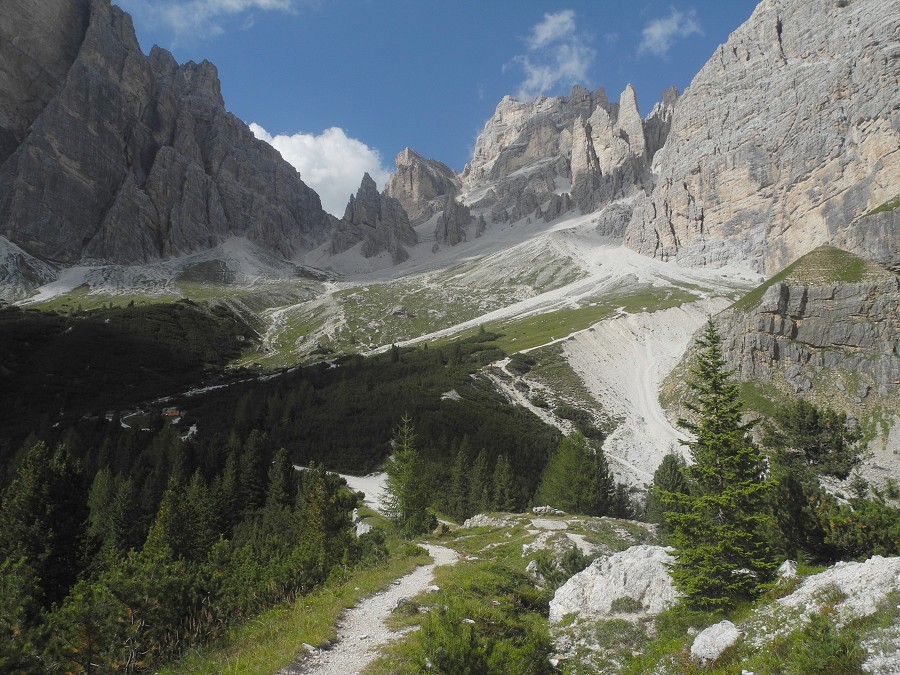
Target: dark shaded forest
{"type": "Point", "coordinates": [137, 520]}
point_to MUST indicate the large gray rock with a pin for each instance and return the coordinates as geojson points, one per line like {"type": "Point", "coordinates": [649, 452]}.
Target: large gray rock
{"type": "Point", "coordinates": [376, 220]}
{"type": "Point", "coordinates": [110, 154]}
{"type": "Point", "coordinates": [421, 185]}
{"type": "Point", "coordinates": [713, 640]}
{"type": "Point", "coordinates": [639, 573]}
{"type": "Point", "coordinates": [788, 133]}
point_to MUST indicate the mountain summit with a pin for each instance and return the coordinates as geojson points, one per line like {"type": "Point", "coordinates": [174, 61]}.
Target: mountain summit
{"type": "Point", "coordinates": [108, 154]}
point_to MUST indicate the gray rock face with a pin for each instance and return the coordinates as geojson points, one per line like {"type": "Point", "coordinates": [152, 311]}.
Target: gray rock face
{"type": "Point", "coordinates": [421, 185]}
{"type": "Point", "coordinates": [799, 331]}
{"type": "Point", "coordinates": [114, 155]}
{"type": "Point", "coordinates": [640, 573]}
{"type": "Point", "coordinates": [551, 155]}
{"type": "Point", "coordinates": [376, 220]}
{"type": "Point", "coordinates": [876, 237]}
{"type": "Point", "coordinates": [452, 223]}
{"type": "Point", "coordinates": [785, 136]}
{"type": "Point", "coordinates": [38, 43]}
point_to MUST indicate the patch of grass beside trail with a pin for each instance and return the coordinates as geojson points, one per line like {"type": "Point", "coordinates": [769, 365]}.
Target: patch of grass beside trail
{"type": "Point", "coordinates": [487, 617]}
{"type": "Point", "coordinates": [274, 639]}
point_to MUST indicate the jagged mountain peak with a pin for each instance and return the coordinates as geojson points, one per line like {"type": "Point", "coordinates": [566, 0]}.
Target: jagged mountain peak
{"type": "Point", "coordinates": [786, 135]}
{"type": "Point", "coordinates": [378, 221]}
{"type": "Point", "coordinates": [421, 185]}
{"type": "Point", "coordinates": [130, 158]}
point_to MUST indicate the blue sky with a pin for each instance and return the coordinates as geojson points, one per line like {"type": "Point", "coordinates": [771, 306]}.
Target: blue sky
{"type": "Point", "coordinates": [341, 86]}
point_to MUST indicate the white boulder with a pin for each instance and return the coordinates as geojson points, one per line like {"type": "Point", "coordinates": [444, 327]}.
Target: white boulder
{"type": "Point", "coordinates": [640, 573]}
{"type": "Point", "coordinates": [712, 641]}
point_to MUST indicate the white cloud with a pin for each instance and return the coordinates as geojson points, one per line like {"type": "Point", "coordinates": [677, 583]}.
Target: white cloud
{"type": "Point", "coordinates": [201, 17]}
{"type": "Point", "coordinates": [659, 34]}
{"type": "Point", "coordinates": [556, 54]}
{"type": "Point", "coordinates": [554, 27]}
{"type": "Point", "coordinates": [331, 163]}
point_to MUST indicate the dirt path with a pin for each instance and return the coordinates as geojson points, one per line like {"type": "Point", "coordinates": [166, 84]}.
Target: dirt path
{"type": "Point", "coordinates": [361, 629]}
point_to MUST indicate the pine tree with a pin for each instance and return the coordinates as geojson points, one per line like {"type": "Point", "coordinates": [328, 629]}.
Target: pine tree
{"type": "Point", "coordinates": [504, 485]}
{"type": "Point", "coordinates": [668, 477]}
{"type": "Point", "coordinates": [407, 501]}
{"type": "Point", "coordinates": [43, 517]}
{"type": "Point", "coordinates": [719, 529]}
{"type": "Point", "coordinates": [822, 437]}
{"type": "Point", "coordinates": [281, 491]}
{"type": "Point", "coordinates": [577, 479]}
{"type": "Point", "coordinates": [458, 499]}
{"type": "Point", "coordinates": [480, 484]}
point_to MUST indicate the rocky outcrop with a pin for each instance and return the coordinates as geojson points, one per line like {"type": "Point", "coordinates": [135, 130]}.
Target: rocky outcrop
{"type": "Point", "coordinates": [609, 155]}
{"type": "Point", "coordinates": [639, 574]}
{"type": "Point", "coordinates": [799, 331]}
{"type": "Point", "coordinates": [110, 154]}
{"type": "Point", "coordinates": [452, 223]}
{"type": "Point", "coordinates": [875, 237]}
{"type": "Point", "coordinates": [788, 133]}
{"type": "Point", "coordinates": [551, 155]}
{"type": "Point", "coordinates": [376, 220]}
{"type": "Point", "coordinates": [421, 185]}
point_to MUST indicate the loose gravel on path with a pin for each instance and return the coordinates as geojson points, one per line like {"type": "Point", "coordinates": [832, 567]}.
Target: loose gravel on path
{"type": "Point", "coordinates": [361, 629]}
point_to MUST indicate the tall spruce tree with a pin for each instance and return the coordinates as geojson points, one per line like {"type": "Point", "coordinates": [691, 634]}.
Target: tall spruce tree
{"type": "Point", "coordinates": [504, 485]}
{"type": "Point", "coordinates": [407, 500]}
{"type": "Point", "coordinates": [480, 484]}
{"type": "Point", "coordinates": [719, 527]}
{"type": "Point", "coordinates": [668, 477]}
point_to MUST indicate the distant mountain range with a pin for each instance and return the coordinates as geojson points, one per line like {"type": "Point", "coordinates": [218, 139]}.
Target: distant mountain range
{"type": "Point", "coordinates": [788, 134]}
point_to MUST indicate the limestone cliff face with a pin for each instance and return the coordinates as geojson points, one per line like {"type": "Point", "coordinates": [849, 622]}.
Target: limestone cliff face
{"type": "Point", "coordinates": [376, 220]}
{"type": "Point", "coordinates": [787, 134]}
{"type": "Point", "coordinates": [531, 154]}
{"type": "Point", "coordinates": [421, 185]}
{"type": "Point", "coordinates": [799, 333]}
{"type": "Point", "coordinates": [109, 154]}
{"type": "Point", "coordinates": [874, 237]}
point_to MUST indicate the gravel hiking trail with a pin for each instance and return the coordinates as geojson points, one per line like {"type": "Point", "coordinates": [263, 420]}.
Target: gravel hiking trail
{"type": "Point", "coordinates": [361, 629]}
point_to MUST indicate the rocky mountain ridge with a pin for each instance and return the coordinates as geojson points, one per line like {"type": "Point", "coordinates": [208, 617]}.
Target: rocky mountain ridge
{"type": "Point", "coordinates": [376, 220]}
{"type": "Point", "coordinates": [787, 134]}
{"type": "Point", "coordinates": [111, 155]}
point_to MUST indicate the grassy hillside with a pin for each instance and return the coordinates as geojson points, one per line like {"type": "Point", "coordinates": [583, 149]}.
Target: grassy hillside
{"type": "Point", "coordinates": [822, 266]}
